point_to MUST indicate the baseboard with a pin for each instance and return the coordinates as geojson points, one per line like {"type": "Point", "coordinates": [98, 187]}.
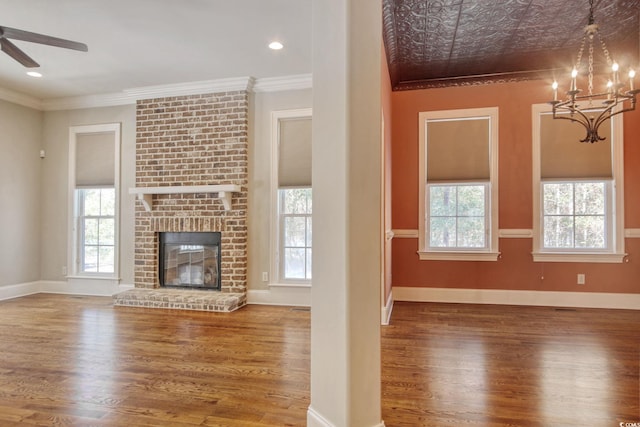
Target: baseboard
{"type": "Point", "coordinates": [386, 310]}
{"type": "Point", "coordinates": [19, 290]}
{"type": "Point", "coordinates": [71, 287]}
{"type": "Point", "coordinates": [512, 297]}
{"type": "Point", "coordinates": [314, 419]}
{"type": "Point", "coordinates": [280, 295]}
{"type": "Point", "coordinates": [81, 286]}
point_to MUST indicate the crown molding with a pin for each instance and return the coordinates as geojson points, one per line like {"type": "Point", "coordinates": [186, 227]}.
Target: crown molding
{"type": "Point", "coordinates": [131, 96]}
{"type": "Point", "coordinates": [191, 88]}
{"type": "Point", "coordinates": [20, 99]}
{"type": "Point", "coordinates": [87, 101]}
{"type": "Point", "coordinates": [278, 84]}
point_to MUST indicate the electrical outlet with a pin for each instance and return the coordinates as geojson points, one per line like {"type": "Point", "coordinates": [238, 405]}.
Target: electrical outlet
{"type": "Point", "coordinates": [265, 276]}
{"type": "Point", "coordinates": [581, 279]}
{"type": "Point", "coordinates": [64, 270]}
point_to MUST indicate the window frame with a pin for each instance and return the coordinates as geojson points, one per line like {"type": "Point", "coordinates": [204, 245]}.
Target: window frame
{"type": "Point", "coordinates": [282, 240]}
{"type": "Point", "coordinates": [491, 251]}
{"type": "Point", "coordinates": [276, 243]}
{"type": "Point", "coordinates": [80, 217]}
{"type": "Point", "coordinates": [73, 246]}
{"type": "Point", "coordinates": [615, 253]}
{"type": "Point", "coordinates": [486, 216]}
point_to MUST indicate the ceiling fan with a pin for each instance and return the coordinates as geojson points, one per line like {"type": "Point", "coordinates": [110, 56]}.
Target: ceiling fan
{"type": "Point", "coordinates": [16, 53]}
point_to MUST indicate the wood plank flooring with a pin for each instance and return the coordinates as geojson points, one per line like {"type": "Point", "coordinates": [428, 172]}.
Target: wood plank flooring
{"type": "Point", "coordinates": [499, 366]}
{"type": "Point", "coordinates": [79, 361]}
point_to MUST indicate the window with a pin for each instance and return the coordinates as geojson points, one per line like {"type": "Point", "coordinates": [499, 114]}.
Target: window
{"type": "Point", "coordinates": [295, 225]}
{"type": "Point", "coordinates": [93, 199]}
{"type": "Point", "coordinates": [575, 215]}
{"type": "Point", "coordinates": [458, 185]}
{"type": "Point", "coordinates": [457, 215]}
{"type": "Point", "coordinates": [577, 191]}
{"type": "Point", "coordinates": [96, 225]}
{"type": "Point", "coordinates": [292, 197]}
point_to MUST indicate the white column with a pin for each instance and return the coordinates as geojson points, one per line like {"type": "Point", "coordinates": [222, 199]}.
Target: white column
{"type": "Point", "coordinates": [345, 299]}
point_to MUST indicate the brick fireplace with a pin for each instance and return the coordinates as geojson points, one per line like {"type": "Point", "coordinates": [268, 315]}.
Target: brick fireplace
{"type": "Point", "coordinates": [188, 149]}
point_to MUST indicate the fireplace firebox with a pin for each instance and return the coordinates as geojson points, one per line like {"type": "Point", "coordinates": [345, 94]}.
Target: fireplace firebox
{"type": "Point", "coordinates": [190, 260]}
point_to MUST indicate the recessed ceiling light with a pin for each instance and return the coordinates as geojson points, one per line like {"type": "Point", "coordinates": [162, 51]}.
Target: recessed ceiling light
{"type": "Point", "coordinates": [275, 45]}
{"type": "Point", "coordinates": [34, 74]}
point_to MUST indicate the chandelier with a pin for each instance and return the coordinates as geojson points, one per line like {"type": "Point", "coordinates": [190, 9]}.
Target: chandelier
{"type": "Point", "coordinates": [593, 109]}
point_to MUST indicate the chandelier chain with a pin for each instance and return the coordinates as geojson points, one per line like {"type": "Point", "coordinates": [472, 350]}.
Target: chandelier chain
{"type": "Point", "coordinates": [590, 70]}
{"type": "Point", "coordinates": [605, 50]}
{"type": "Point", "coordinates": [579, 58]}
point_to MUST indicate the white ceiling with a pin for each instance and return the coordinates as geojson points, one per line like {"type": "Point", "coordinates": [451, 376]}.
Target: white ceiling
{"type": "Point", "coordinates": [138, 43]}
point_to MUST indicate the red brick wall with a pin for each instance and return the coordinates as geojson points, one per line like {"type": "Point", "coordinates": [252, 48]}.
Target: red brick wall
{"type": "Point", "coordinates": [185, 141]}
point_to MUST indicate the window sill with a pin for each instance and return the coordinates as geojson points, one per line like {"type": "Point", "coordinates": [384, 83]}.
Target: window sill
{"type": "Point", "coordinates": [458, 256]}
{"type": "Point", "coordinates": [90, 277]}
{"type": "Point", "coordinates": [579, 257]}
{"type": "Point", "coordinates": [290, 285]}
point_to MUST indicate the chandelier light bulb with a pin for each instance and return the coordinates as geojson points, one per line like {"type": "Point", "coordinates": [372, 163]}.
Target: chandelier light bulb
{"type": "Point", "coordinates": [632, 76]}
{"type": "Point", "coordinates": [574, 75]}
{"type": "Point", "coordinates": [615, 67]}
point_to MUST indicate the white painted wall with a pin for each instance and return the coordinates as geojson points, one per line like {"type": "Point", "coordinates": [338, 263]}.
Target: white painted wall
{"type": "Point", "coordinates": [20, 196]}
{"type": "Point", "coordinates": [347, 223]}
{"type": "Point", "coordinates": [36, 201]}
{"type": "Point", "coordinates": [259, 210]}
{"type": "Point", "coordinates": [54, 228]}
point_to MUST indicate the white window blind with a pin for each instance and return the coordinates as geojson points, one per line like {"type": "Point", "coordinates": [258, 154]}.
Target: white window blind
{"type": "Point", "coordinates": [563, 156]}
{"type": "Point", "coordinates": [458, 150]}
{"type": "Point", "coordinates": [294, 154]}
{"type": "Point", "coordinates": [95, 159]}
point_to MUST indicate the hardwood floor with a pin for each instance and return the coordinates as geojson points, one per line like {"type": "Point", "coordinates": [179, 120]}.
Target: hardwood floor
{"type": "Point", "coordinates": [79, 361]}
{"type": "Point", "coordinates": [490, 366]}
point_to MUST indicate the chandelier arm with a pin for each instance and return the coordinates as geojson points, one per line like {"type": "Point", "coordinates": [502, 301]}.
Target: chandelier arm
{"type": "Point", "coordinates": [573, 118]}
{"type": "Point", "coordinates": [624, 110]}
{"type": "Point", "coordinates": [584, 121]}
{"type": "Point", "coordinates": [603, 117]}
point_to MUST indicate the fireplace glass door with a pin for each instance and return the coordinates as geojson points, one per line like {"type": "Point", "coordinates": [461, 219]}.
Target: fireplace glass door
{"type": "Point", "coordinates": [190, 260]}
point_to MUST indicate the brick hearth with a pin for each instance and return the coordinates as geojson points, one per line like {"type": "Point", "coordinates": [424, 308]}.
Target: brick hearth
{"type": "Point", "coordinates": [191, 141]}
{"type": "Point", "coordinates": [181, 299]}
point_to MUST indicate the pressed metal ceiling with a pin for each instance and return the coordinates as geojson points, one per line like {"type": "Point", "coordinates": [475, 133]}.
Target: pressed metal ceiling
{"type": "Point", "coordinates": [435, 43]}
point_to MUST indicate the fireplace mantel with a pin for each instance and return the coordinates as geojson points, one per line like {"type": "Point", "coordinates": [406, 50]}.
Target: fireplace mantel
{"type": "Point", "coordinates": [224, 191]}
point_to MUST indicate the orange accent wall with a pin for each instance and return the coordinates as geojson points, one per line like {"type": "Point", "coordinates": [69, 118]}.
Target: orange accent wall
{"type": "Point", "coordinates": [515, 269]}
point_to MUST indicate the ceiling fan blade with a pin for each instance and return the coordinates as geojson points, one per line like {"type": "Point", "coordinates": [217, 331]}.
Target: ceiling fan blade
{"type": "Point", "coordinates": [14, 52]}
{"type": "Point", "coordinates": [27, 36]}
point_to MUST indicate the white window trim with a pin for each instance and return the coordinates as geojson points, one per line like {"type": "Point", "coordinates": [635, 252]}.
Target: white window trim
{"type": "Point", "coordinates": [616, 191]}
{"type": "Point", "coordinates": [73, 239]}
{"type": "Point", "coordinates": [281, 238]}
{"type": "Point", "coordinates": [80, 236]}
{"type": "Point", "coordinates": [275, 233]}
{"type": "Point", "coordinates": [491, 253]}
